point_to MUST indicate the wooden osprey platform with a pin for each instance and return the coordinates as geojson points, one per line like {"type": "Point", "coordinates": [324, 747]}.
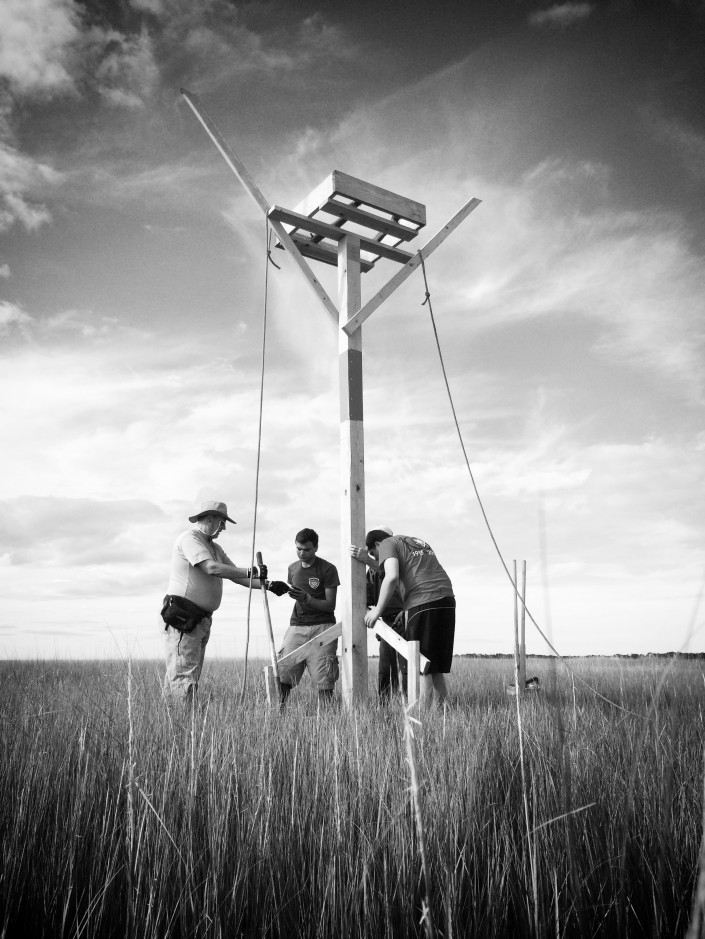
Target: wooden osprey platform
{"type": "Point", "coordinates": [343, 205]}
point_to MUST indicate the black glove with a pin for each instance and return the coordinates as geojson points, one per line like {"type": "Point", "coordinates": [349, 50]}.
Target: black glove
{"type": "Point", "coordinates": [254, 573]}
{"type": "Point", "coordinates": [278, 588]}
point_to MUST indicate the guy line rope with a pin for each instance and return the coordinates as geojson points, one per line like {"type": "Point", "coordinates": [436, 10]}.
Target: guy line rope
{"type": "Point", "coordinates": [269, 260]}
{"type": "Point", "coordinates": [484, 514]}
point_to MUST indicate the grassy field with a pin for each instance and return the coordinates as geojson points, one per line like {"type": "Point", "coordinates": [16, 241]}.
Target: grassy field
{"type": "Point", "coordinates": [119, 818]}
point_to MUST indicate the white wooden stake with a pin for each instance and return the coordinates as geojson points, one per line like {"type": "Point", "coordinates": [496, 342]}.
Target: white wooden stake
{"type": "Point", "coordinates": [413, 672]}
{"type": "Point", "coordinates": [517, 666]}
{"type": "Point", "coordinates": [522, 634]}
{"type": "Point", "coordinates": [269, 686]}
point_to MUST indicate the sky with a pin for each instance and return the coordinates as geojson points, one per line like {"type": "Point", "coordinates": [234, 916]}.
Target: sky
{"type": "Point", "coordinates": [569, 309]}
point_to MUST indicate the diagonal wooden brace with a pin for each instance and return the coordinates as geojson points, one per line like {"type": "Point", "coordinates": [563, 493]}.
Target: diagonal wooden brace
{"type": "Point", "coordinates": [398, 279]}
{"type": "Point", "coordinates": [383, 631]}
{"type": "Point", "coordinates": [322, 639]}
{"type": "Point", "coordinates": [238, 167]}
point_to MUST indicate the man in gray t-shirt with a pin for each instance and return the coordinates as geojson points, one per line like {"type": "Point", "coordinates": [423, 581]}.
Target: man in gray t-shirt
{"type": "Point", "coordinates": [429, 604]}
{"type": "Point", "coordinates": [198, 567]}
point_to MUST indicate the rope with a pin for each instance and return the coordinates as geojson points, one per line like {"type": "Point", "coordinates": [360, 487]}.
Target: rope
{"type": "Point", "coordinates": [484, 514]}
{"type": "Point", "coordinates": [269, 260]}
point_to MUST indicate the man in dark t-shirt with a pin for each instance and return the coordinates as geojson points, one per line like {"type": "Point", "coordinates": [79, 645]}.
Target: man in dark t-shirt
{"type": "Point", "coordinates": [314, 582]}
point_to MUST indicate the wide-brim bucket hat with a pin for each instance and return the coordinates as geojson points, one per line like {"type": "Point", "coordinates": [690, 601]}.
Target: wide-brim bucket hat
{"type": "Point", "coordinates": [212, 508]}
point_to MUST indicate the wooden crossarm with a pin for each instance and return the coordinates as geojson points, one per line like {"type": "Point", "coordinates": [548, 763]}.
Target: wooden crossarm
{"type": "Point", "coordinates": [357, 319]}
{"type": "Point", "coordinates": [238, 167]}
{"type": "Point", "coordinates": [382, 631]}
{"type": "Point", "coordinates": [322, 639]}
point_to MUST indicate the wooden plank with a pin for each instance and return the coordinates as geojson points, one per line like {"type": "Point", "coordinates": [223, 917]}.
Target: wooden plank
{"type": "Point", "coordinates": [385, 632]}
{"type": "Point", "coordinates": [322, 639]}
{"type": "Point", "coordinates": [315, 199]}
{"type": "Point", "coordinates": [360, 191]}
{"type": "Point", "coordinates": [398, 279]}
{"type": "Point", "coordinates": [238, 167]}
{"type": "Point", "coordinates": [326, 230]}
{"type": "Point", "coordinates": [353, 213]}
{"type": "Point", "coordinates": [323, 252]}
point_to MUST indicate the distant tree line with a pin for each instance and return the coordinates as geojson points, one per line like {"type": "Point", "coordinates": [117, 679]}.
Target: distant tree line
{"type": "Point", "coordinates": [617, 655]}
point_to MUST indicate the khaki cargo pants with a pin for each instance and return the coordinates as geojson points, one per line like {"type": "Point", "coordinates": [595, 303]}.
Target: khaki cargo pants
{"type": "Point", "coordinates": [322, 661]}
{"type": "Point", "coordinates": [185, 653]}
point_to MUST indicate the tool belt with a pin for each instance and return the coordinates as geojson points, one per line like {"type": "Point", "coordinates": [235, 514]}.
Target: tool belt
{"type": "Point", "coordinates": [182, 614]}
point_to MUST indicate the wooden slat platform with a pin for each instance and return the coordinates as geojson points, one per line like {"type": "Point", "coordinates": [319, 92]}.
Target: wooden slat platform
{"type": "Point", "coordinates": [322, 229]}
{"type": "Point", "coordinates": [343, 204]}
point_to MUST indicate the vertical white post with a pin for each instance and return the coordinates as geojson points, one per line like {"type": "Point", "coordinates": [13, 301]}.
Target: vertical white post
{"type": "Point", "coordinates": [522, 634]}
{"type": "Point", "coordinates": [413, 672]}
{"type": "Point", "coordinates": [269, 685]}
{"type": "Point", "coordinates": [352, 470]}
{"type": "Point", "coordinates": [517, 652]}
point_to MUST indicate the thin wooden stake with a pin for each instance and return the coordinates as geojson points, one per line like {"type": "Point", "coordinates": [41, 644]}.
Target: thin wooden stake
{"type": "Point", "coordinates": [517, 651]}
{"type": "Point", "coordinates": [413, 672]}
{"type": "Point", "coordinates": [270, 631]}
{"type": "Point", "coordinates": [522, 633]}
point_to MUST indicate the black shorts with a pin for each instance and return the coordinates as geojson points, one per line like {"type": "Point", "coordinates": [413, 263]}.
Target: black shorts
{"type": "Point", "coordinates": [433, 626]}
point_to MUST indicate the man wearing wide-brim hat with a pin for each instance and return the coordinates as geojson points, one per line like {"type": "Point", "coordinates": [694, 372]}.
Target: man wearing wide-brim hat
{"type": "Point", "coordinates": [198, 568]}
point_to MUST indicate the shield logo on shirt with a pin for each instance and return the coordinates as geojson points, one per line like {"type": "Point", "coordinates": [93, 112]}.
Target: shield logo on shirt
{"type": "Point", "coordinates": [313, 582]}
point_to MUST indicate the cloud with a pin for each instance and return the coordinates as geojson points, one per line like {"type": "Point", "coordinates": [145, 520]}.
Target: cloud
{"type": "Point", "coordinates": [4, 271]}
{"type": "Point", "coordinates": [562, 15]}
{"type": "Point", "coordinates": [123, 67]}
{"type": "Point", "coordinates": [55, 531]}
{"type": "Point", "coordinates": [13, 317]}
{"type": "Point", "coordinates": [155, 7]}
{"type": "Point", "coordinates": [36, 44]}
{"type": "Point", "coordinates": [685, 141]}
{"type": "Point", "coordinates": [20, 177]}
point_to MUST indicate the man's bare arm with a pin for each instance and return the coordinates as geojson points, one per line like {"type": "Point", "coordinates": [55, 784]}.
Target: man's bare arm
{"type": "Point", "coordinates": [363, 556]}
{"type": "Point", "coordinates": [389, 584]}
{"type": "Point", "coordinates": [238, 575]}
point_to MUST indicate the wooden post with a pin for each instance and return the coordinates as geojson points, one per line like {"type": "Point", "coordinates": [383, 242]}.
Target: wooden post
{"type": "Point", "coordinates": [270, 687]}
{"type": "Point", "coordinates": [522, 633]}
{"type": "Point", "coordinates": [413, 672]}
{"type": "Point", "coordinates": [352, 477]}
{"type": "Point", "coordinates": [517, 668]}
{"type": "Point", "coordinates": [270, 633]}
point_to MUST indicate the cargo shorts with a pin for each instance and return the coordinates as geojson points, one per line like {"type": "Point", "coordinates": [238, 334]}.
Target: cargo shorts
{"type": "Point", "coordinates": [321, 662]}
{"type": "Point", "coordinates": [185, 653]}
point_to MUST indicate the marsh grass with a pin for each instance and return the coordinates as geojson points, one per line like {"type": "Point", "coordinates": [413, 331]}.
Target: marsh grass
{"type": "Point", "coordinates": [120, 817]}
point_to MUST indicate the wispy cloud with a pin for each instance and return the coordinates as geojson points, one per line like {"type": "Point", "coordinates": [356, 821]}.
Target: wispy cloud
{"type": "Point", "coordinates": [562, 15]}
{"type": "Point", "coordinates": [122, 66]}
{"type": "Point", "coordinates": [21, 177]}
